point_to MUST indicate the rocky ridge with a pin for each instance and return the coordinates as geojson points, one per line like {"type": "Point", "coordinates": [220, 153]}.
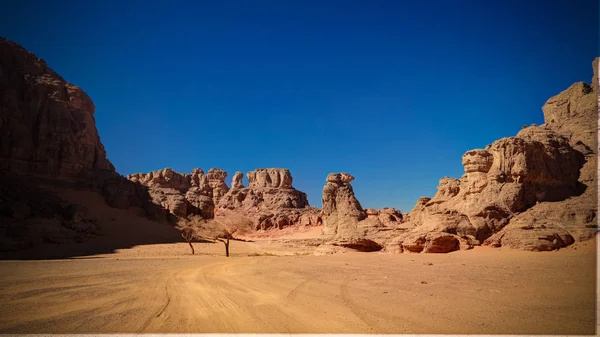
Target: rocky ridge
{"type": "Point", "coordinates": [269, 200]}
{"type": "Point", "coordinates": [535, 191]}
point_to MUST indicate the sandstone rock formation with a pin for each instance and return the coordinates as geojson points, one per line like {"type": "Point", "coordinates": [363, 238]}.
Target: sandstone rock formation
{"type": "Point", "coordinates": [269, 200]}
{"type": "Point", "coordinates": [48, 126]}
{"type": "Point", "coordinates": [271, 177]}
{"type": "Point", "coordinates": [216, 181]}
{"type": "Point", "coordinates": [428, 242]}
{"type": "Point", "coordinates": [387, 216]}
{"type": "Point", "coordinates": [236, 180]}
{"type": "Point", "coordinates": [552, 225]}
{"type": "Point", "coordinates": [31, 215]}
{"type": "Point", "coordinates": [341, 210]}
{"type": "Point", "coordinates": [534, 191]}
{"type": "Point", "coordinates": [346, 224]}
{"type": "Point", "coordinates": [185, 194]}
{"type": "Point", "coordinates": [48, 137]}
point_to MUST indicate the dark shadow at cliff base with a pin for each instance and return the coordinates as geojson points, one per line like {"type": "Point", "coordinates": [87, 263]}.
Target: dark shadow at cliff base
{"type": "Point", "coordinates": [46, 219]}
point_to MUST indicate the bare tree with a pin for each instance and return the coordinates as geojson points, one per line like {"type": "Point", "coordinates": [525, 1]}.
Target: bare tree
{"type": "Point", "coordinates": [188, 234]}
{"type": "Point", "coordinates": [223, 228]}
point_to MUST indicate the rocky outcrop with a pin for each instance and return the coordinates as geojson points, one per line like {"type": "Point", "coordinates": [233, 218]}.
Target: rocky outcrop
{"type": "Point", "coordinates": [216, 181]}
{"type": "Point", "coordinates": [534, 191]}
{"type": "Point", "coordinates": [341, 210]}
{"type": "Point", "coordinates": [271, 177]}
{"type": "Point", "coordinates": [551, 225]}
{"type": "Point", "coordinates": [184, 194]}
{"type": "Point", "coordinates": [166, 178]}
{"type": "Point", "coordinates": [236, 180]}
{"type": "Point", "coordinates": [508, 177]}
{"type": "Point", "coordinates": [48, 137]}
{"type": "Point", "coordinates": [30, 215]}
{"type": "Point", "coordinates": [387, 216]}
{"type": "Point", "coordinates": [428, 242]}
{"type": "Point", "coordinates": [47, 125]}
{"type": "Point", "coordinates": [269, 201]}
{"type": "Point", "coordinates": [346, 224]}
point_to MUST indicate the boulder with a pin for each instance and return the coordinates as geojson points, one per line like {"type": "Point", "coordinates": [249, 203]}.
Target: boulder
{"type": "Point", "coordinates": [429, 242]}
{"type": "Point", "coordinates": [532, 237]}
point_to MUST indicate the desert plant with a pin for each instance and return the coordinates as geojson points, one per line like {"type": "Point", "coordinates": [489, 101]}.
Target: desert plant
{"type": "Point", "coordinates": [223, 228]}
{"type": "Point", "coordinates": [188, 234]}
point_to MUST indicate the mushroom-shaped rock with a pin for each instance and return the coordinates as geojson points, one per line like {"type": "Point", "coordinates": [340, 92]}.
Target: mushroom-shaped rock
{"type": "Point", "coordinates": [341, 209]}
{"type": "Point", "coordinates": [216, 180]}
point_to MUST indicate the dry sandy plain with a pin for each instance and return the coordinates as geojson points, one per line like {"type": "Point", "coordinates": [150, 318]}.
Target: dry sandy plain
{"type": "Point", "coordinates": [266, 286]}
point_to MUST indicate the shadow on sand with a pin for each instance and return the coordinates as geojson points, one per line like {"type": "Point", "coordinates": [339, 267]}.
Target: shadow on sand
{"type": "Point", "coordinates": [116, 228]}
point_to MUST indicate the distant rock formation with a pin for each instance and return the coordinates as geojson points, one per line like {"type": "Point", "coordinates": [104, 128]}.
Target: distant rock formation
{"type": "Point", "coordinates": [341, 210]}
{"type": "Point", "coordinates": [348, 225]}
{"type": "Point", "coordinates": [534, 191]}
{"type": "Point", "coordinates": [271, 178]}
{"type": "Point", "coordinates": [387, 216]}
{"type": "Point", "coordinates": [185, 194]}
{"type": "Point", "coordinates": [216, 181]}
{"type": "Point", "coordinates": [236, 180]}
{"type": "Point", "coordinates": [269, 200]}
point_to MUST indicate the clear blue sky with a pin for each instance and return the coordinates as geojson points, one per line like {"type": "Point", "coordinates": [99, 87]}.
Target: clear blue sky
{"type": "Point", "coordinates": [393, 92]}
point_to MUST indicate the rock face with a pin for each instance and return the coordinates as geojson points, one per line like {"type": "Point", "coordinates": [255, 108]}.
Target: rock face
{"type": "Point", "coordinates": [428, 242]}
{"type": "Point", "coordinates": [236, 181]}
{"type": "Point", "coordinates": [47, 125]}
{"type": "Point", "coordinates": [271, 177]}
{"type": "Point", "coordinates": [387, 216]}
{"type": "Point", "coordinates": [534, 191]}
{"type": "Point", "coordinates": [48, 136]}
{"type": "Point", "coordinates": [269, 200]}
{"type": "Point", "coordinates": [185, 194]}
{"type": "Point", "coordinates": [552, 225]}
{"type": "Point", "coordinates": [30, 215]}
{"type": "Point", "coordinates": [341, 210]}
{"type": "Point", "coordinates": [348, 225]}
{"type": "Point", "coordinates": [216, 181]}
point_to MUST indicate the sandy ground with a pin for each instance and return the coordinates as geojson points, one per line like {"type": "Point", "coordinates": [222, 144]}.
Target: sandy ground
{"type": "Point", "coordinates": [272, 286]}
{"type": "Point", "coordinates": [484, 291]}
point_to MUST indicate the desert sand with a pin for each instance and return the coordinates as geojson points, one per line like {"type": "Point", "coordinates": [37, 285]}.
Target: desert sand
{"type": "Point", "coordinates": [270, 286]}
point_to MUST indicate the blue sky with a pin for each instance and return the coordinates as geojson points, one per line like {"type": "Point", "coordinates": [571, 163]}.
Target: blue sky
{"type": "Point", "coordinates": [393, 92]}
